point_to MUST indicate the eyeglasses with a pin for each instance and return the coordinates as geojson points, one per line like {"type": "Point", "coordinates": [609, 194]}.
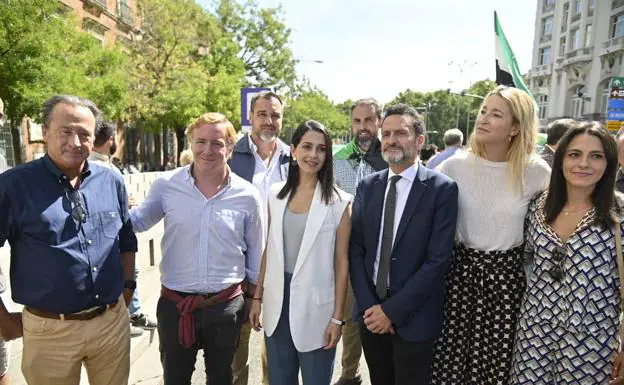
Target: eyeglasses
{"type": "Point", "coordinates": [78, 211]}
{"type": "Point", "coordinates": [559, 254]}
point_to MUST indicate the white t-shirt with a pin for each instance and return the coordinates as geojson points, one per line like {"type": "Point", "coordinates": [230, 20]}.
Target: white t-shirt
{"type": "Point", "coordinates": [491, 213]}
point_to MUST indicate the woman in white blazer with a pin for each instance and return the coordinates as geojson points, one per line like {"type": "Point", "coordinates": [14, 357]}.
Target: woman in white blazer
{"type": "Point", "coordinates": [304, 272]}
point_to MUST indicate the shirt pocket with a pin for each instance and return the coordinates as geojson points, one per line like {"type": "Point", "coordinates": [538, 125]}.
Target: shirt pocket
{"type": "Point", "coordinates": [111, 224]}
{"type": "Point", "coordinates": [231, 221]}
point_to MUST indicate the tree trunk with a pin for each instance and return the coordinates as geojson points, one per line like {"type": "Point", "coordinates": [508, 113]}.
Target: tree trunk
{"type": "Point", "coordinates": [16, 138]}
{"type": "Point", "coordinates": [158, 150]}
{"type": "Point", "coordinates": [165, 145]}
{"type": "Point", "coordinates": [121, 141]}
{"type": "Point", "coordinates": [181, 141]}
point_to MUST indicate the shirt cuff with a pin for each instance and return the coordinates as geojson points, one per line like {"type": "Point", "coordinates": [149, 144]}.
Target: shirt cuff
{"type": "Point", "coordinates": [252, 276]}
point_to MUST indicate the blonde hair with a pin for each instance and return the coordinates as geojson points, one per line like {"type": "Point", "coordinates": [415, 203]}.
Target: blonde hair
{"type": "Point", "coordinates": [213, 118]}
{"type": "Point", "coordinates": [186, 157]}
{"type": "Point", "coordinates": [521, 149]}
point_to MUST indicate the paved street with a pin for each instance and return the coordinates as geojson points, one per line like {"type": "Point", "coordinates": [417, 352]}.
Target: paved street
{"type": "Point", "coordinates": [147, 370]}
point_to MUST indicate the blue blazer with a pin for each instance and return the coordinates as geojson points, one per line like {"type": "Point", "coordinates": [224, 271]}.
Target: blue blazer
{"type": "Point", "coordinates": [420, 257]}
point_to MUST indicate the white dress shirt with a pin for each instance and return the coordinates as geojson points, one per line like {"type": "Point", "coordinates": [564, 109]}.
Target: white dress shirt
{"type": "Point", "coordinates": [265, 176]}
{"type": "Point", "coordinates": [403, 187]}
{"type": "Point", "coordinates": [208, 244]}
{"type": "Point", "coordinates": [103, 160]}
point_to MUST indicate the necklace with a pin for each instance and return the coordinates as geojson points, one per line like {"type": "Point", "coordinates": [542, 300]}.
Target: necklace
{"type": "Point", "coordinates": [568, 211]}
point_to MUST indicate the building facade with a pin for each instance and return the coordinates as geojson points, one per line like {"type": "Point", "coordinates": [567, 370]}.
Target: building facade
{"type": "Point", "coordinates": [578, 46]}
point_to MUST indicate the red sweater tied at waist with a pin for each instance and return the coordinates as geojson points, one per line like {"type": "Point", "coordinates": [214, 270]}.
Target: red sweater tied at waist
{"type": "Point", "coordinates": [187, 305]}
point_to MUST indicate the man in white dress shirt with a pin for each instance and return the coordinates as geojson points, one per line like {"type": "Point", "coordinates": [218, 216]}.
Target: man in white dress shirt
{"type": "Point", "coordinates": [262, 159]}
{"type": "Point", "coordinates": [212, 245]}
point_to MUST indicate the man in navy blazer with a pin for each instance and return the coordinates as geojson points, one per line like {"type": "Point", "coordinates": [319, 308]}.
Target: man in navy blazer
{"type": "Point", "coordinates": [401, 244]}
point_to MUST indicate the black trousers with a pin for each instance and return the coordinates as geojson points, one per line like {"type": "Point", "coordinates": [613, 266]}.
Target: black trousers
{"type": "Point", "coordinates": [216, 328]}
{"type": "Point", "coordinates": [393, 361]}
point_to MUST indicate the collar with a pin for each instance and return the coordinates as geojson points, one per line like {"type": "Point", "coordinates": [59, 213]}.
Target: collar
{"type": "Point", "coordinates": [188, 175]}
{"type": "Point", "coordinates": [99, 156]}
{"type": "Point", "coordinates": [58, 174]}
{"type": "Point", "coordinates": [409, 173]}
{"type": "Point", "coordinates": [244, 145]}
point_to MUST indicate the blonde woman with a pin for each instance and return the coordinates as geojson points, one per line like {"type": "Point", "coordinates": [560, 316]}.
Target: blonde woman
{"type": "Point", "coordinates": [497, 178]}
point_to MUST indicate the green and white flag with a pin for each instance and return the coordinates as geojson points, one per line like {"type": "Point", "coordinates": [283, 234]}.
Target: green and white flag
{"type": "Point", "coordinates": [507, 70]}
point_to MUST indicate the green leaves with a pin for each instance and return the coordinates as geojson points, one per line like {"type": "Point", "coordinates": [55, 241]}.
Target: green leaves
{"type": "Point", "coordinates": [43, 53]}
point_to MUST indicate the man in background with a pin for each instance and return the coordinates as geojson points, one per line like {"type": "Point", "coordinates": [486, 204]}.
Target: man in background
{"type": "Point", "coordinates": [453, 140]}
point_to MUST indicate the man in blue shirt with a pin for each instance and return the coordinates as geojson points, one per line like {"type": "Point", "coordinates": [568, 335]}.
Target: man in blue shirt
{"type": "Point", "coordinates": [72, 255]}
{"type": "Point", "coordinates": [453, 139]}
{"type": "Point", "coordinates": [212, 248]}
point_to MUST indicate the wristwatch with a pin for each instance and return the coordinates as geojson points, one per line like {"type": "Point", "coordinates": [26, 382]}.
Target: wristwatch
{"type": "Point", "coordinates": [130, 284]}
{"type": "Point", "coordinates": [337, 322]}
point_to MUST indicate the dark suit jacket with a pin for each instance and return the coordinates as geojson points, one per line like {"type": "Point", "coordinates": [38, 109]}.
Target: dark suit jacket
{"type": "Point", "coordinates": [420, 257]}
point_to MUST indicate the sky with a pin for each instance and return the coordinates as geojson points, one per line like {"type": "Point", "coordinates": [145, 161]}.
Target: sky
{"type": "Point", "coordinates": [379, 48]}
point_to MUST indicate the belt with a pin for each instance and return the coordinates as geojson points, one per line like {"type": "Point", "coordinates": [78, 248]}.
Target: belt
{"type": "Point", "coordinates": [82, 316]}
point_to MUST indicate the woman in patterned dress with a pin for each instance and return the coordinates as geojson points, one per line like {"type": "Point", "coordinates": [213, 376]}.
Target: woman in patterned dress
{"type": "Point", "coordinates": [497, 178]}
{"type": "Point", "coordinates": [569, 319]}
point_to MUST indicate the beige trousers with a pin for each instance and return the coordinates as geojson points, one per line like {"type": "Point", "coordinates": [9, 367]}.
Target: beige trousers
{"type": "Point", "coordinates": [54, 350]}
{"type": "Point", "coordinates": [240, 364]}
{"type": "Point", "coordinates": [351, 344]}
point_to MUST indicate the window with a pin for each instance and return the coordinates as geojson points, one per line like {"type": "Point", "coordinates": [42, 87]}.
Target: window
{"type": "Point", "coordinates": [549, 5]}
{"type": "Point", "coordinates": [577, 105]}
{"type": "Point", "coordinates": [588, 35]}
{"type": "Point", "coordinates": [547, 25]}
{"type": "Point", "coordinates": [562, 46]}
{"type": "Point", "coordinates": [575, 40]}
{"type": "Point", "coordinates": [544, 55]}
{"type": "Point", "coordinates": [617, 27]}
{"type": "Point", "coordinates": [591, 4]}
{"type": "Point", "coordinates": [577, 6]}
{"type": "Point", "coordinates": [564, 18]}
{"type": "Point", "coordinates": [542, 103]}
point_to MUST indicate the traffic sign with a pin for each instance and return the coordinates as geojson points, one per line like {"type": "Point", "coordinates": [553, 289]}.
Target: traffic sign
{"type": "Point", "coordinates": [615, 105]}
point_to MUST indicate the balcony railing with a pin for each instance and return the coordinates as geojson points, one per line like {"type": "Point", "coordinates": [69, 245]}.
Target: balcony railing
{"type": "Point", "coordinates": [97, 3]}
{"type": "Point", "coordinates": [612, 45]}
{"type": "Point", "coordinates": [617, 4]}
{"type": "Point", "coordinates": [125, 14]}
{"type": "Point", "coordinates": [545, 38]}
{"type": "Point", "coordinates": [576, 17]}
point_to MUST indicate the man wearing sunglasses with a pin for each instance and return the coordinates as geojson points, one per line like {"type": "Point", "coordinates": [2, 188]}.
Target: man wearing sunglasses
{"type": "Point", "coordinates": [72, 255]}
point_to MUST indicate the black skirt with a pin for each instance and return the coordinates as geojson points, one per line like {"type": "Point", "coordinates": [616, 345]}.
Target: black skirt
{"type": "Point", "coordinates": [483, 295]}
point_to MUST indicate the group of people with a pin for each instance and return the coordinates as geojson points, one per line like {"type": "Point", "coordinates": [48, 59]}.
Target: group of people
{"type": "Point", "coordinates": [489, 266]}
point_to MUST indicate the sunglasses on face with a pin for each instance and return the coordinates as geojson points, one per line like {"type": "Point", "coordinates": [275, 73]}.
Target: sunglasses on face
{"type": "Point", "coordinates": [78, 210]}
{"type": "Point", "coordinates": [559, 254]}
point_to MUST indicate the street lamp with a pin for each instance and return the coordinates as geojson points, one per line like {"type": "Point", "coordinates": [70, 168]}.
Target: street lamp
{"type": "Point", "coordinates": [309, 61]}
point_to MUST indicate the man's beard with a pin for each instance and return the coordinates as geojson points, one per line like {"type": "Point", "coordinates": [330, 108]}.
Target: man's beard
{"type": "Point", "coordinates": [396, 159]}
{"type": "Point", "coordinates": [364, 141]}
{"type": "Point", "coordinates": [267, 137]}
{"type": "Point", "coordinates": [113, 148]}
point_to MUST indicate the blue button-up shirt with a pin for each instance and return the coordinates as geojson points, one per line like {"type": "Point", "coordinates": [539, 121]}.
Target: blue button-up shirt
{"type": "Point", "coordinates": [59, 264]}
{"type": "Point", "coordinates": [209, 243]}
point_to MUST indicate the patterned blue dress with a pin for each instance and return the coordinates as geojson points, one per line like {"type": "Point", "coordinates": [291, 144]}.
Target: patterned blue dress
{"type": "Point", "coordinates": [568, 324]}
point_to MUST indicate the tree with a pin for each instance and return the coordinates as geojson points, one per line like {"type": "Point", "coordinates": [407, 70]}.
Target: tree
{"type": "Point", "coordinates": [313, 104]}
{"type": "Point", "coordinates": [262, 42]}
{"type": "Point", "coordinates": [42, 53]}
